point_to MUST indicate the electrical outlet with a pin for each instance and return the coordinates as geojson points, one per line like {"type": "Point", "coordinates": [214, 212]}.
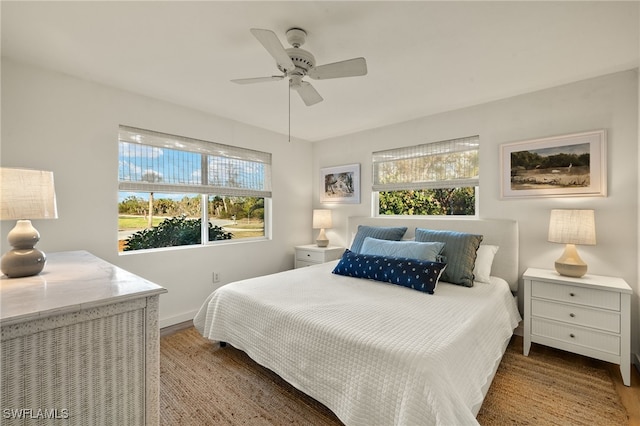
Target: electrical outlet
{"type": "Point", "coordinates": [216, 277]}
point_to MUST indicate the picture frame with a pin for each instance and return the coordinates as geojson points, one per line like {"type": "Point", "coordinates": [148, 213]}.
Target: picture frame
{"type": "Point", "coordinates": [340, 184]}
{"type": "Point", "coordinates": [572, 165]}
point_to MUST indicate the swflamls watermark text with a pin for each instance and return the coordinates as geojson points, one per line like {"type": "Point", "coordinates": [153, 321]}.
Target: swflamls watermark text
{"type": "Point", "coordinates": [35, 413]}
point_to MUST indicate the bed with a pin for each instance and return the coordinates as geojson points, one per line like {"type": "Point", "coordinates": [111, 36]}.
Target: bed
{"type": "Point", "coordinates": [373, 352]}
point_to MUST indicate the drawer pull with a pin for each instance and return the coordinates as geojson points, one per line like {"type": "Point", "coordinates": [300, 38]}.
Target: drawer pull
{"type": "Point", "coordinates": [572, 335]}
{"type": "Point", "coordinates": [571, 294]}
{"type": "Point", "coordinates": [572, 315]}
{"type": "Point", "coordinates": [308, 255]}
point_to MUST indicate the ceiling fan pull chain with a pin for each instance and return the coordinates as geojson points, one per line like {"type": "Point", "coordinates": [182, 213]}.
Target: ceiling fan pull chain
{"type": "Point", "coordinates": [289, 92]}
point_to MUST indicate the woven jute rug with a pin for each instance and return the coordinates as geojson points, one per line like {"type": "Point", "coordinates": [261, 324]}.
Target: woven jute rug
{"type": "Point", "coordinates": [203, 385]}
{"type": "Point", "coordinates": [551, 387]}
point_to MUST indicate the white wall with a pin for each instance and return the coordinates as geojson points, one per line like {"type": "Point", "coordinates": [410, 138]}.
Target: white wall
{"type": "Point", "coordinates": [55, 122]}
{"type": "Point", "coordinates": [609, 102]}
{"type": "Point", "coordinates": [637, 298]}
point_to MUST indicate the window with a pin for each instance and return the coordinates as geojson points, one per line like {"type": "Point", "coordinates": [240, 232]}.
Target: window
{"type": "Point", "coordinates": [439, 178]}
{"type": "Point", "coordinates": [169, 186]}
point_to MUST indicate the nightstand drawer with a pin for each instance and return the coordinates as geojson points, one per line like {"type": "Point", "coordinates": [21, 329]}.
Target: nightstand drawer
{"type": "Point", "coordinates": [578, 295]}
{"type": "Point", "coordinates": [578, 315]}
{"type": "Point", "coordinates": [591, 339]}
{"type": "Point", "coordinates": [310, 256]}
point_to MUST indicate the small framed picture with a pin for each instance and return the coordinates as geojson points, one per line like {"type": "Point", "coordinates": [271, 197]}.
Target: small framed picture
{"type": "Point", "coordinates": [573, 165]}
{"type": "Point", "coordinates": [340, 184]}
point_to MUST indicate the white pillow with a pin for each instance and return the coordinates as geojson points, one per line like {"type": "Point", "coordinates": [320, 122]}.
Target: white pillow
{"type": "Point", "coordinates": [484, 260]}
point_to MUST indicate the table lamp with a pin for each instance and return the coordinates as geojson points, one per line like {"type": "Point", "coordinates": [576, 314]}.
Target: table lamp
{"type": "Point", "coordinates": [25, 194]}
{"type": "Point", "coordinates": [572, 227]}
{"type": "Point", "coordinates": [322, 220]}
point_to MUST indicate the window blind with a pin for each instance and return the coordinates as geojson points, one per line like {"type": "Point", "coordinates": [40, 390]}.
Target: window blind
{"type": "Point", "coordinates": [158, 162]}
{"type": "Point", "coordinates": [446, 164]}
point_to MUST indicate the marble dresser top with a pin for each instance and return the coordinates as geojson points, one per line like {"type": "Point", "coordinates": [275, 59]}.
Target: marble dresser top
{"type": "Point", "coordinates": [70, 281]}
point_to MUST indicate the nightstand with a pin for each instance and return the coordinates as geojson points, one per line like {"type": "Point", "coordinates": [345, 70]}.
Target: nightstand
{"type": "Point", "coordinates": [311, 254]}
{"type": "Point", "coordinates": [588, 316]}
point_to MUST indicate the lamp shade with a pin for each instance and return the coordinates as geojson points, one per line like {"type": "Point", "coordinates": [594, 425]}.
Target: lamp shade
{"type": "Point", "coordinates": [322, 218]}
{"type": "Point", "coordinates": [27, 194]}
{"type": "Point", "coordinates": [572, 227]}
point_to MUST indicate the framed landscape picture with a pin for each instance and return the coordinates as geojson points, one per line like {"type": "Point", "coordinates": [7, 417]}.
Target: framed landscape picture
{"type": "Point", "coordinates": [559, 166]}
{"type": "Point", "coordinates": [340, 184]}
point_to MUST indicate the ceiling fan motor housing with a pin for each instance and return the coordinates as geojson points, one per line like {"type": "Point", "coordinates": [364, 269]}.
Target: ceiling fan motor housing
{"type": "Point", "coordinates": [302, 59]}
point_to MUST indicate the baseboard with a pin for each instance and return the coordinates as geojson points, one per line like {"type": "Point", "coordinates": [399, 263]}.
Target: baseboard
{"type": "Point", "coordinates": [167, 331]}
{"type": "Point", "coordinates": [177, 319]}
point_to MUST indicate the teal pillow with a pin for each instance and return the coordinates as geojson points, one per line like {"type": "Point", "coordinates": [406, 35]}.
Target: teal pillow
{"type": "Point", "coordinates": [420, 275]}
{"type": "Point", "coordinates": [459, 250]}
{"type": "Point", "coordinates": [379, 232]}
{"type": "Point", "coordinates": [407, 249]}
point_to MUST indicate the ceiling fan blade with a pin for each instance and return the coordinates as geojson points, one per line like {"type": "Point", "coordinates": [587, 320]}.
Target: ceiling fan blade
{"type": "Point", "coordinates": [349, 68]}
{"type": "Point", "coordinates": [257, 79]}
{"type": "Point", "coordinates": [270, 41]}
{"type": "Point", "coordinates": [308, 93]}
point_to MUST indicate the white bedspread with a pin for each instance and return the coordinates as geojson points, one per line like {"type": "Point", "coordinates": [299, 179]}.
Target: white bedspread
{"type": "Point", "coordinates": [374, 353]}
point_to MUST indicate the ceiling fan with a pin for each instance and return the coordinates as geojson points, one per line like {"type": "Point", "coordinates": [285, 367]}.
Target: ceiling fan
{"type": "Point", "coordinates": [296, 63]}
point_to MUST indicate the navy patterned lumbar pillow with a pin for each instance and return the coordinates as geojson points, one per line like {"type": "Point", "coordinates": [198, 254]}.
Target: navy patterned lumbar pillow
{"type": "Point", "coordinates": [421, 275]}
{"type": "Point", "coordinates": [459, 250]}
{"type": "Point", "coordinates": [379, 232]}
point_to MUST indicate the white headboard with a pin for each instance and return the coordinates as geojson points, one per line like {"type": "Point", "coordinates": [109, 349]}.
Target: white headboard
{"type": "Point", "coordinates": [499, 232]}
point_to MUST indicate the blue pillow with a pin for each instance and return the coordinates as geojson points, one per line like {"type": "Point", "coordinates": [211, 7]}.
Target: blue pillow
{"type": "Point", "coordinates": [416, 274]}
{"type": "Point", "coordinates": [460, 251]}
{"type": "Point", "coordinates": [379, 232]}
{"type": "Point", "coordinates": [407, 249]}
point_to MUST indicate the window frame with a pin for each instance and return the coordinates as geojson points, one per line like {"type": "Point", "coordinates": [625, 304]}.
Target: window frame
{"type": "Point", "coordinates": [422, 151]}
{"type": "Point", "coordinates": [209, 152]}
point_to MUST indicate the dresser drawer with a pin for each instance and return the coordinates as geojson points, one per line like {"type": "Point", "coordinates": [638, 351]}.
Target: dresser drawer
{"type": "Point", "coordinates": [578, 295]}
{"type": "Point", "coordinates": [310, 255]}
{"type": "Point", "coordinates": [575, 335]}
{"type": "Point", "coordinates": [577, 315]}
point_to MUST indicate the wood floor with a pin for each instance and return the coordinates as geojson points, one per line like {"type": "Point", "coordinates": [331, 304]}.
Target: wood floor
{"type": "Point", "coordinates": [629, 395]}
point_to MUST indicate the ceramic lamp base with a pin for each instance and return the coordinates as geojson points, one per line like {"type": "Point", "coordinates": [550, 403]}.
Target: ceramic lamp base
{"type": "Point", "coordinates": [322, 240]}
{"type": "Point", "coordinates": [18, 263]}
{"type": "Point", "coordinates": [570, 264]}
{"type": "Point", "coordinates": [23, 260]}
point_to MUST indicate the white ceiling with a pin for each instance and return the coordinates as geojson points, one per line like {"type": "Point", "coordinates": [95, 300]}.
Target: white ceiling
{"type": "Point", "coordinates": [423, 57]}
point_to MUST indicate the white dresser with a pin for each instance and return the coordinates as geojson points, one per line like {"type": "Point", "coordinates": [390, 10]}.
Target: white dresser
{"type": "Point", "coordinates": [80, 345]}
{"type": "Point", "coordinates": [311, 254]}
{"type": "Point", "coordinates": [589, 316]}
